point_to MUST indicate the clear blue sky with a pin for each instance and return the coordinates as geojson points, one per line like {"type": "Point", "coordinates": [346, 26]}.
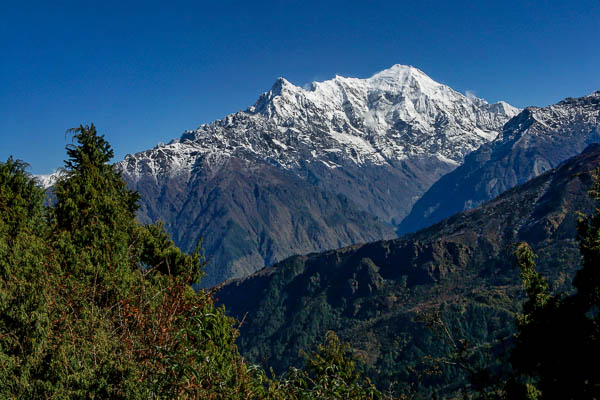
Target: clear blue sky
{"type": "Point", "coordinates": [144, 72]}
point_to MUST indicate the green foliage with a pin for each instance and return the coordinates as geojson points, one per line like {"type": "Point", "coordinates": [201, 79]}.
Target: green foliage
{"type": "Point", "coordinates": [535, 285]}
{"type": "Point", "coordinates": [558, 339]}
{"type": "Point", "coordinates": [94, 226]}
{"type": "Point", "coordinates": [160, 252]}
{"type": "Point", "coordinates": [95, 305]}
{"type": "Point", "coordinates": [301, 299]}
{"type": "Point", "coordinates": [25, 298]}
{"type": "Point", "coordinates": [330, 374]}
{"type": "Point", "coordinates": [20, 200]}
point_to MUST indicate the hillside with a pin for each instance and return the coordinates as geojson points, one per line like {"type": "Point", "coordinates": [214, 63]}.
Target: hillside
{"type": "Point", "coordinates": [370, 294]}
{"type": "Point", "coordinates": [534, 141]}
{"type": "Point", "coordinates": [249, 216]}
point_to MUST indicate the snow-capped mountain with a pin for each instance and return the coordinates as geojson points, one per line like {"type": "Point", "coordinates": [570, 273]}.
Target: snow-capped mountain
{"type": "Point", "coordinates": [533, 142]}
{"type": "Point", "coordinates": [393, 115]}
{"type": "Point", "coordinates": [47, 180]}
{"type": "Point", "coordinates": [375, 144]}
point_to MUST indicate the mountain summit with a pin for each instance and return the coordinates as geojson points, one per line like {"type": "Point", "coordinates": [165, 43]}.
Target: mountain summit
{"type": "Point", "coordinates": [379, 143]}
{"type": "Point", "coordinates": [396, 113]}
{"type": "Point", "coordinates": [392, 115]}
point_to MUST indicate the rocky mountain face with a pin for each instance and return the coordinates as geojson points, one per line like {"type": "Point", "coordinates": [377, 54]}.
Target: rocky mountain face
{"type": "Point", "coordinates": [534, 141]}
{"type": "Point", "coordinates": [251, 215]}
{"type": "Point", "coordinates": [375, 145]}
{"type": "Point", "coordinates": [374, 295]}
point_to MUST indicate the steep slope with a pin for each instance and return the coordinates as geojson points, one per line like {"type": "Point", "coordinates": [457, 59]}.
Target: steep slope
{"type": "Point", "coordinates": [371, 294]}
{"type": "Point", "coordinates": [378, 142]}
{"type": "Point", "coordinates": [532, 142]}
{"type": "Point", "coordinates": [252, 215]}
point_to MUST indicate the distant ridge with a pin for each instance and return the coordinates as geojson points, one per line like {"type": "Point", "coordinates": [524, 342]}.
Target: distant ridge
{"type": "Point", "coordinates": [375, 144]}
{"type": "Point", "coordinates": [532, 142]}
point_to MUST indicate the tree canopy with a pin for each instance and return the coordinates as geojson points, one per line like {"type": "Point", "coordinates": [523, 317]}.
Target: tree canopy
{"type": "Point", "coordinates": [558, 342]}
{"type": "Point", "coordinates": [95, 305]}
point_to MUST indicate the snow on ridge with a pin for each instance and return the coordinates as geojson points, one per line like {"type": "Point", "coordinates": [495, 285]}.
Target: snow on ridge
{"type": "Point", "coordinates": [397, 113]}
{"type": "Point", "coordinates": [48, 180]}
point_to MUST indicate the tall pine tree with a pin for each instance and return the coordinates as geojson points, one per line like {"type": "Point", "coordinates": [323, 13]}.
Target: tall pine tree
{"type": "Point", "coordinates": [558, 343]}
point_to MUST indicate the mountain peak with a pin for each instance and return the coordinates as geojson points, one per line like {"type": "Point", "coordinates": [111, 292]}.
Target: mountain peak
{"type": "Point", "coordinates": [532, 142]}
{"type": "Point", "coordinates": [397, 114]}
{"type": "Point", "coordinates": [266, 102]}
{"type": "Point", "coordinates": [279, 85]}
{"type": "Point", "coordinates": [401, 76]}
{"type": "Point", "coordinates": [398, 70]}
{"type": "Point", "coordinates": [399, 82]}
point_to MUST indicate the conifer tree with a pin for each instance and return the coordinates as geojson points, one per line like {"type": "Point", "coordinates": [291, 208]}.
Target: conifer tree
{"type": "Point", "coordinates": [329, 373]}
{"type": "Point", "coordinates": [94, 212]}
{"type": "Point", "coordinates": [25, 317]}
{"type": "Point", "coordinates": [95, 305]}
{"type": "Point", "coordinates": [559, 336]}
{"type": "Point", "coordinates": [121, 284]}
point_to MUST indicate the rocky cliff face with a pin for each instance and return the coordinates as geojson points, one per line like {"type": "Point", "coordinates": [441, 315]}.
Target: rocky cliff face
{"type": "Point", "coordinates": [534, 141]}
{"type": "Point", "coordinates": [379, 143]}
{"type": "Point", "coordinates": [252, 215]}
{"type": "Point", "coordinates": [372, 294]}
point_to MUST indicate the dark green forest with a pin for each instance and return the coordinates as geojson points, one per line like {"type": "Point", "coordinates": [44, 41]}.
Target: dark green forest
{"type": "Point", "coordinates": [94, 304]}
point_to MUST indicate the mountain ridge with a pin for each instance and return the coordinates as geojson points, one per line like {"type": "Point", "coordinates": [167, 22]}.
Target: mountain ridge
{"type": "Point", "coordinates": [532, 142]}
{"type": "Point", "coordinates": [377, 144]}
{"type": "Point", "coordinates": [372, 294]}
{"type": "Point", "coordinates": [358, 106]}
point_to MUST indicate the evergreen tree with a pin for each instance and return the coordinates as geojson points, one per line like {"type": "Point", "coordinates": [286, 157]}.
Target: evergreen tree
{"type": "Point", "coordinates": [329, 373]}
{"type": "Point", "coordinates": [25, 317]}
{"type": "Point", "coordinates": [95, 305]}
{"type": "Point", "coordinates": [94, 213]}
{"type": "Point", "coordinates": [559, 336]}
{"type": "Point", "coordinates": [129, 314]}
{"type": "Point", "coordinates": [20, 200]}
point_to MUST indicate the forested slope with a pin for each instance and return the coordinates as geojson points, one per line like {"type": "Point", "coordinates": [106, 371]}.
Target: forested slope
{"type": "Point", "coordinates": [373, 294]}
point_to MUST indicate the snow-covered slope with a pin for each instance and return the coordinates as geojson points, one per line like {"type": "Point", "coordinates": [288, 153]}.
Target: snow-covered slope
{"type": "Point", "coordinates": [375, 145]}
{"type": "Point", "coordinates": [533, 142]}
{"type": "Point", "coordinates": [48, 180]}
{"type": "Point", "coordinates": [393, 115]}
